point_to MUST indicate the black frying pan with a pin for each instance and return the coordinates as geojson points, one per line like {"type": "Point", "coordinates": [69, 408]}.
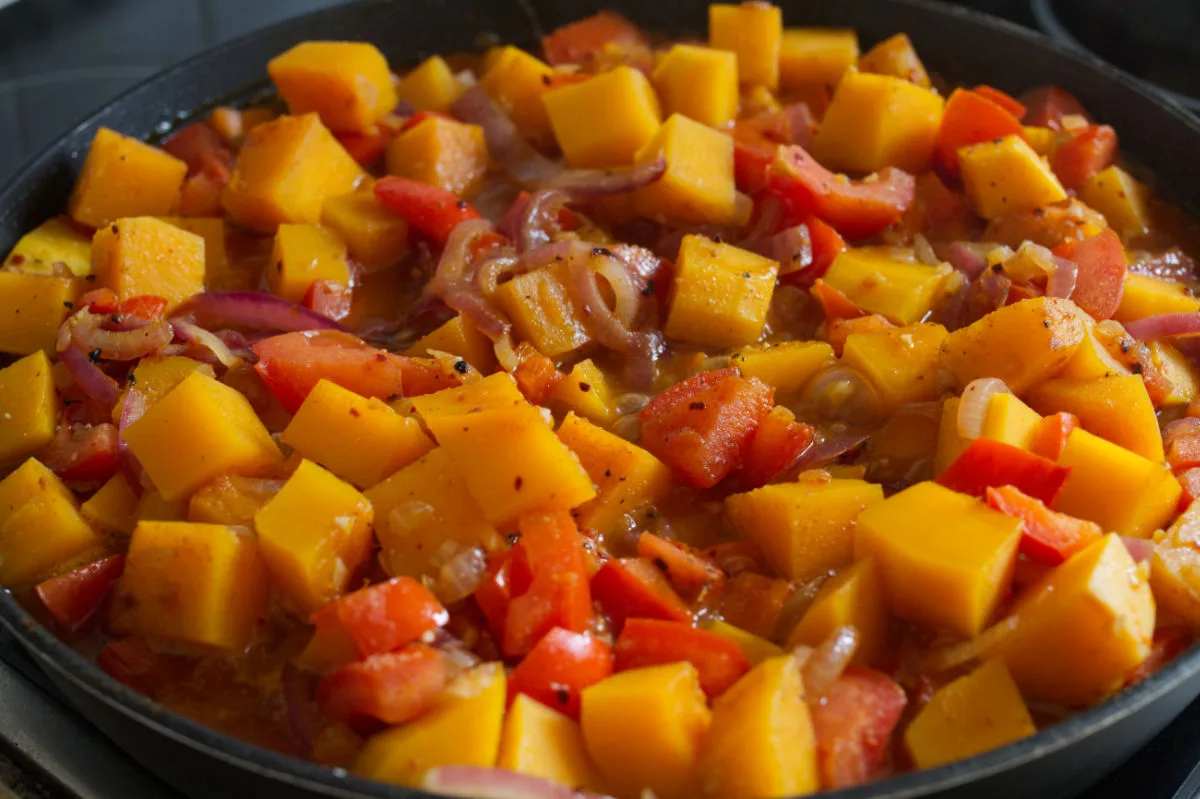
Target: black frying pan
{"type": "Point", "coordinates": [963, 46]}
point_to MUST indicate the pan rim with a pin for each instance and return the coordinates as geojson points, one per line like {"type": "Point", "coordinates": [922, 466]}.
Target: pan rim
{"type": "Point", "coordinates": [51, 653]}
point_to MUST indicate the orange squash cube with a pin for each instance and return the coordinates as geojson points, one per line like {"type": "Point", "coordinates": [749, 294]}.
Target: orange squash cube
{"type": "Point", "coordinates": [430, 86]}
{"type": "Point", "coordinates": [697, 187]}
{"type": "Point", "coordinates": [216, 252]}
{"type": "Point", "coordinates": [458, 337]}
{"type": "Point", "coordinates": [720, 294]}
{"type": "Point", "coordinates": [123, 177]}
{"type": "Point", "coordinates": [754, 32]}
{"type": "Point", "coordinates": [441, 152]}
{"type": "Point", "coordinates": [144, 255]}
{"type": "Point", "coordinates": [631, 117]}
{"type": "Point", "coordinates": [587, 391]}
{"type": "Point", "coordinates": [41, 528]}
{"type": "Point", "coordinates": [900, 363]}
{"type": "Point", "coordinates": [493, 392]}
{"type": "Point", "coordinates": [375, 237]}
{"type": "Point", "coordinates": [545, 743]}
{"type": "Point", "coordinates": [816, 57]}
{"type": "Point", "coordinates": [542, 312]}
{"type": "Point", "coordinates": [517, 82]}
{"type": "Point", "coordinates": [113, 508]}
{"type": "Point", "coordinates": [852, 596]}
{"type": "Point", "coordinates": [54, 241]}
{"type": "Point", "coordinates": [231, 500]}
{"type": "Point", "coordinates": [347, 83]}
{"type": "Point", "coordinates": [1116, 408]}
{"type": "Point", "coordinates": [28, 408]}
{"type": "Point", "coordinates": [698, 82]}
{"type": "Point", "coordinates": [302, 255]}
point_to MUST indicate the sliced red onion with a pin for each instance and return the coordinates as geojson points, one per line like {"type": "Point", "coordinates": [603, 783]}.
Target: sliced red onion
{"type": "Point", "coordinates": [538, 219]}
{"type": "Point", "coordinates": [588, 184]}
{"type": "Point", "coordinates": [993, 289]}
{"type": "Point", "coordinates": [974, 403]}
{"type": "Point", "coordinates": [978, 648]}
{"type": "Point", "coordinates": [547, 254]}
{"type": "Point", "coordinates": [253, 310]}
{"type": "Point", "coordinates": [477, 782]}
{"type": "Point", "coordinates": [801, 123]}
{"type": "Point", "coordinates": [824, 452]}
{"type": "Point", "coordinates": [770, 214]}
{"type": "Point", "coordinates": [505, 143]}
{"type": "Point", "coordinates": [86, 331]}
{"type": "Point", "coordinates": [1164, 326]}
{"type": "Point", "coordinates": [454, 280]}
{"type": "Point", "coordinates": [489, 273]}
{"type": "Point", "coordinates": [967, 258]}
{"type": "Point", "coordinates": [825, 664]}
{"type": "Point", "coordinates": [1140, 549]}
{"type": "Point", "coordinates": [792, 249]}
{"type": "Point", "coordinates": [1062, 280]}
{"type": "Point", "coordinates": [103, 390]}
{"type": "Point", "coordinates": [132, 410]}
{"type": "Point", "coordinates": [188, 331]}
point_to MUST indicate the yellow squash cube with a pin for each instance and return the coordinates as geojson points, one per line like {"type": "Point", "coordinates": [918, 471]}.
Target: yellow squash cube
{"type": "Point", "coordinates": [946, 574]}
{"type": "Point", "coordinates": [787, 367]}
{"type": "Point", "coordinates": [697, 187]}
{"type": "Point", "coordinates": [197, 584]}
{"type": "Point", "coordinates": [753, 32]}
{"type": "Point", "coordinates": [144, 255]}
{"type": "Point", "coordinates": [972, 715]}
{"type": "Point", "coordinates": [1116, 408]}
{"type": "Point", "coordinates": [720, 295]}
{"type": "Point", "coordinates": [874, 280]}
{"type": "Point", "coordinates": [1121, 198]}
{"type": "Point", "coordinates": [375, 237]}
{"type": "Point", "coordinates": [304, 254]}
{"type": "Point", "coordinates": [876, 121]}
{"type": "Point", "coordinates": [28, 408]}
{"type": "Point", "coordinates": [1145, 295]}
{"type": "Point", "coordinates": [314, 535]}
{"type": "Point", "coordinates": [901, 363]}
{"type": "Point", "coordinates": [1179, 372]}
{"type": "Point", "coordinates": [806, 528]}
{"type": "Point", "coordinates": [216, 253]}
{"type": "Point", "coordinates": [630, 112]}
{"type": "Point", "coordinates": [430, 86]}
{"type": "Point", "coordinates": [41, 528]}
{"type": "Point", "coordinates": [816, 56]}
{"type": "Point", "coordinates": [123, 177]}
{"type": "Point", "coordinates": [1009, 420]}
{"type": "Point", "coordinates": [458, 337]}
{"type": "Point", "coordinates": [517, 82]}
{"type": "Point", "coordinates": [285, 172]}
{"type": "Point", "coordinates": [54, 241]}
{"type": "Point", "coordinates": [542, 312]}
{"type": "Point", "coordinates": [1041, 139]}
{"type": "Point", "coordinates": [853, 596]}
{"type": "Point", "coordinates": [1095, 613]}
{"type": "Point", "coordinates": [1092, 360]}
{"type": "Point", "coordinates": [698, 82]}
{"type": "Point", "coordinates": [441, 152]}
{"type": "Point", "coordinates": [661, 751]}
{"type": "Point", "coordinates": [211, 422]}
{"type": "Point", "coordinates": [113, 508]}
{"type": "Point", "coordinates": [628, 479]}
{"type": "Point", "coordinates": [585, 391]}
{"type": "Point", "coordinates": [493, 392]}
{"type": "Point", "coordinates": [544, 743]}
{"type": "Point", "coordinates": [231, 500]}
{"type": "Point", "coordinates": [1007, 177]}
{"type": "Point", "coordinates": [1118, 489]}
{"type": "Point", "coordinates": [897, 57]}
{"type": "Point", "coordinates": [1174, 576]}
{"type": "Point", "coordinates": [761, 742]}
{"type": "Point", "coordinates": [347, 83]}
{"type": "Point", "coordinates": [32, 308]}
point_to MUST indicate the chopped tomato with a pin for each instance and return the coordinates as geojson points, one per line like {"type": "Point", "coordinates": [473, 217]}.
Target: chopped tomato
{"type": "Point", "coordinates": [101, 301]}
{"type": "Point", "coordinates": [1047, 105]}
{"type": "Point", "coordinates": [970, 118]}
{"type": "Point", "coordinates": [1189, 480]}
{"type": "Point", "coordinates": [703, 426]}
{"type": "Point", "coordinates": [777, 443]}
{"type": "Point", "coordinates": [379, 618]}
{"type": "Point", "coordinates": [1046, 535]}
{"type": "Point", "coordinates": [855, 209]}
{"type": "Point", "coordinates": [328, 298]}
{"type": "Point", "coordinates": [507, 576]}
{"type": "Point", "coordinates": [826, 245]}
{"type": "Point", "coordinates": [654, 642]}
{"type": "Point", "coordinates": [853, 726]}
{"type": "Point", "coordinates": [83, 453]}
{"type": "Point", "coordinates": [690, 572]}
{"type": "Point", "coordinates": [754, 602]}
{"type": "Point", "coordinates": [129, 661]}
{"type": "Point", "coordinates": [628, 588]}
{"type": "Point", "coordinates": [392, 687]}
{"type": "Point", "coordinates": [756, 141]}
{"type": "Point", "coordinates": [1183, 451]}
{"type": "Point", "coordinates": [1006, 101]}
{"type": "Point", "coordinates": [834, 303]}
{"type": "Point", "coordinates": [536, 377]}
{"type": "Point", "coordinates": [1168, 643]}
{"type": "Point", "coordinates": [144, 306]}
{"type": "Point", "coordinates": [1050, 434]}
{"type": "Point", "coordinates": [581, 42]}
{"type": "Point", "coordinates": [1102, 268]}
{"type": "Point", "coordinates": [559, 667]}
{"type": "Point", "coordinates": [990, 464]}
{"type": "Point", "coordinates": [432, 210]}
{"type": "Point", "coordinates": [74, 597]}
{"type": "Point", "coordinates": [366, 147]}
{"type": "Point", "coordinates": [558, 594]}
{"type": "Point", "coordinates": [837, 329]}
{"type": "Point", "coordinates": [200, 195]}
{"type": "Point", "coordinates": [203, 150]}
{"type": "Point", "coordinates": [1084, 154]}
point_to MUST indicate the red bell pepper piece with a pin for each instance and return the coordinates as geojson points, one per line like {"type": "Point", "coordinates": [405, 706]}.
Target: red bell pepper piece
{"type": "Point", "coordinates": [507, 576]}
{"type": "Point", "coordinates": [703, 426]}
{"type": "Point", "coordinates": [777, 443]}
{"type": "Point", "coordinates": [559, 667]}
{"type": "Point", "coordinates": [130, 661]}
{"type": "Point", "coordinates": [1006, 101]}
{"type": "Point", "coordinates": [1102, 268]}
{"type": "Point", "coordinates": [379, 618]}
{"type": "Point", "coordinates": [826, 245]}
{"type": "Point", "coordinates": [1083, 155]}
{"type": "Point", "coordinates": [83, 453]}
{"type": "Point", "coordinates": [1046, 535]}
{"type": "Point", "coordinates": [629, 588]}
{"type": "Point", "coordinates": [200, 195]}
{"type": "Point", "coordinates": [558, 594]}
{"type": "Point", "coordinates": [328, 298]}
{"type": "Point", "coordinates": [853, 726]}
{"type": "Point", "coordinates": [366, 147]}
{"type": "Point", "coordinates": [74, 597]}
{"type": "Point", "coordinates": [970, 118]}
{"type": "Point", "coordinates": [990, 464]}
{"type": "Point", "coordinates": [653, 642]}
{"type": "Point", "coordinates": [756, 140]}
{"type": "Point", "coordinates": [1047, 105]}
{"type": "Point", "coordinates": [855, 209]}
{"type": "Point", "coordinates": [392, 687]}
{"type": "Point", "coordinates": [580, 41]}
{"type": "Point", "coordinates": [833, 302]}
{"type": "Point", "coordinates": [687, 570]}
{"type": "Point", "coordinates": [536, 377]}
{"type": "Point", "coordinates": [145, 306]}
{"type": "Point", "coordinates": [101, 301]}
{"type": "Point", "coordinates": [1051, 433]}
{"type": "Point", "coordinates": [432, 210]}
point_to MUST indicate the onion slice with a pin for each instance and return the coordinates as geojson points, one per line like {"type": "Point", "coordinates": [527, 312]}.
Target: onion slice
{"type": "Point", "coordinates": [139, 337]}
{"type": "Point", "coordinates": [973, 406]}
{"type": "Point", "coordinates": [1140, 549]}
{"type": "Point", "coordinates": [980, 647]}
{"type": "Point", "coordinates": [477, 782]}
{"type": "Point", "coordinates": [90, 378]}
{"type": "Point", "coordinates": [505, 143]}
{"type": "Point", "coordinates": [454, 280]}
{"type": "Point", "coordinates": [588, 184]}
{"type": "Point", "coordinates": [967, 258]}
{"type": "Point", "coordinates": [131, 411]}
{"type": "Point", "coordinates": [187, 331]}
{"type": "Point", "coordinates": [1164, 326]}
{"type": "Point", "coordinates": [253, 310]}
{"type": "Point", "coordinates": [823, 665]}
{"type": "Point", "coordinates": [1063, 279]}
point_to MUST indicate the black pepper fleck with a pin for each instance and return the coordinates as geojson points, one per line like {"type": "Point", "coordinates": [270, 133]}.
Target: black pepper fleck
{"type": "Point", "coordinates": [585, 386]}
{"type": "Point", "coordinates": [462, 205]}
{"type": "Point", "coordinates": [696, 406]}
{"type": "Point", "coordinates": [461, 367]}
{"type": "Point", "coordinates": [597, 251]}
{"type": "Point", "coordinates": [355, 412]}
{"type": "Point", "coordinates": [94, 355]}
{"type": "Point", "coordinates": [520, 481]}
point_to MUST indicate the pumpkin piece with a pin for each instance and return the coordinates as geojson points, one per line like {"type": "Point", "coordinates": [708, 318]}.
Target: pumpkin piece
{"type": "Point", "coordinates": [55, 241]}
{"type": "Point", "coordinates": [720, 294]}
{"type": "Point", "coordinates": [430, 86]}
{"type": "Point", "coordinates": [304, 254]}
{"type": "Point", "coordinates": [123, 177]}
{"type": "Point", "coordinates": [1007, 177]}
{"type": "Point", "coordinates": [876, 282]}
{"type": "Point", "coordinates": [698, 82]}
{"type": "Point", "coordinates": [853, 597]}
{"type": "Point", "coordinates": [441, 152]}
{"type": "Point", "coordinates": [348, 84]}
{"type": "Point", "coordinates": [1121, 198]}
{"type": "Point", "coordinates": [41, 528]}
{"type": "Point", "coordinates": [518, 83]}
{"type": "Point", "coordinates": [816, 57]}
{"type": "Point", "coordinates": [28, 408]}
{"type": "Point", "coordinates": [146, 256]}
{"type": "Point", "coordinates": [544, 743]}
{"type": "Point", "coordinates": [458, 337]}
{"type": "Point", "coordinates": [375, 237]}
{"type": "Point", "coordinates": [1145, 295]}
{"type": "Point", "coordinates": [753, 32]}
{"type": "Point", "coordinates": [32, 308]}
{"type": "Point", "coordinates": [585, 391]}
{"type": "Point", "coordinates": [633, 118]}
{"type": "Point", "coordinates": [900, 363]}
{"type": "Point", "coordinates": [786, 366]}
{"type": "Point", "coordinates": [698, 186]}
{"type": "Point", "coordinates": [1116, 408]}
{"type": "Point", "coordinates": [113, 508]}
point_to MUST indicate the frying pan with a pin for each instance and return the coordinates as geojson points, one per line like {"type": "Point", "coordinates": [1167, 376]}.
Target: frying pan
{"type": "Point", "coordinates": [963, 46]}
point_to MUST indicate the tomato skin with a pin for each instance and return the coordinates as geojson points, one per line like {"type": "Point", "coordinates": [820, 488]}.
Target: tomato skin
{"type": "Point", "coordinates": [74, 597]}
{"type": "Point", "coordinates": [688, 571]}
{"type": "Point", "coordinates": [1050, 434]}
{"type": "Point", "coordinates": [392, 687]}
{"type": "Point", "coordinates": [507, 576]}
{"type": "Point", "coordinates": [970, 117]}
{"type": "Point", "coordinates": [1102, 267]}
{"type": "Point", "coordinates": [536, 377]}
{"type": "Point", "coordinates": [777, 442]}
{"type": "Point", "coordinates": [379, 618]}
{"type": "Point", "coordinates": [558, 593]}
{"type": "Point", "coordinates": [1047, 105]}
{"type": "Point", "coordinates": [83, 453]}
{"type": "Point", "coordinates": [559, 667]}
{"type": "Point", "coordinates": [826, 242]}
{"type": "Point", "coordinates": [854, 725]}
{"type": "Point", "coordinates": [1046, 536]}
{"type": "Point", "coordinates": [1006, 101]}
{"type": "Point", "coordinates": [1083, 155]}
{"type": "Point", "coordinates": [991, 464]}
{"type": "Point", "coordinates": [581, 41]}
{"type": "Point", "coordinates": [203, 150]}
{"type": "Point", "coordinates": [652, 642]}
{"type": "Point", "coordinates": [432, 210]}
{"type": "Point", "coordinates": [145, 306]}
{"type": "Point", "coordinates": [331, 300]}
{"type": "Point", "coordinates": [628, 588]}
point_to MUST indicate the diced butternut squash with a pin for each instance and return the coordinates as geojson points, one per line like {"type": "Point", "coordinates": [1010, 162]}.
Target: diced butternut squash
{"type": "Point", "coordinates": [806, 528]}
{"type": "Point", "coordinates": [517, 82]}
{"type": "Point", "coordinates": [1041, 139]}
{"type": "Point", "coordinates": [1145, 295]}
{"type": "Point", "coordinates": [1092, 360]}
{"type": "Point", "coordinates": [1009, 420]}
{"type": "Point", "coordinates": [753, 32]}
{"type": "Point", "coordinates": [661, 751]}
{"type": "Point", "coordinates": [493, 392]}
{"type": "Point", "coordinates": [787, 367]}
{"type": "Point", "coordinates": [697, 187]}
{"type": "Point", "coordinates": [720, 294]}
{"type": "Point", "coordinates": [216, 252]}
{"type": "Point", "coordinates": [375, 237]}
{"type": "Point", "coordinates": [877, 282]}
{"type": "Point", "coordinates": [211, 422]}
{"type": "Point", "coordinates": [123, 177]}
{"type": "Point", "coordinates": [897, 57]}
{"type": "Point", "coordinates": [1022, 344]}
{"type": "Point", "coordinates": [698, 82]}
{"type": "Point", "coordinates": [28, 408]}
{"type": "Point", "coordinates": [1095, 613]}
{"type": "Point", "coordinates": [1121, 198]}
{"type": "Point", "coordinates": [853, 596]}
{"type": "Point", "coordinates": [55, 241]}
{"type": "Point", "coordinates": [314, 535]}
{"type": "Point", "coordinates": [1174, 579]}
{"type": "Point", "coordinates": [1118, 489]}
{"type": "Point", "coordinates": [950, 444]}
{"type": "Point", "coordinates": [904, 443]}
{"type": "Point", "coordinates": [462, 730]}
{"type": "Point", "coordinates": [1179, 372]}
{"type": "Point", "coordinates": [430, 86]}
{"type": "Point", "coordinates": [360, 440]}
{"type": "Point", "coordinates": [761, 742]}
{"type": "Point", "coordinates": [816, 56]}
{"type": "Point", "coordinates": [285, 172]}
{"type": "Point", "coordinates": [441, 152]}
{"type": "Point", "coordinates": [876, 121]}
{"type": "Point", "coordinates": [144, 255]}
{"type": "Point", "coordinates": [347, 83]}
{"type": "Point", "coordinates": [1007, 177]}
{"type": "Point", "coordinates": [628, 479]}
{"type": "Point", "coordinates": [458, 337]}
{"type": "Point", "coordinates": [900, 362]}
{"type": "Point", "coordinates": [32, 308]}
{"type": "Point", "coordinates": [231, 500]}
{"type": "Point", "coordinates": [41, 528]}
{"type": "Point", "coordinates": [152, 507]}
{"type": "Point", "coordinates": [755, 648]}
{"type": "Point", "coordinates": [949, 575]}
{"type": "Point", "coordinates": [197, 584]}
{"type": "Point", "coordinates": [155, 376]}
{"type": "Point", "coordinates": [542, 312]}
{"type": "Point", "coordinates": [113, 508]}
{"type": "Point", "coordinates": [586, 391]}
{"type": "Point", "coordinates": [304, 254]}
{"type": "Point", "coordinates": [972, 715]}
{"type": "Point", "coordinates": [1115, 408]}
{"type": "Point", "coordinates": [635, 118]}
{"type": "Point", "coordinates": [545, 743]}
